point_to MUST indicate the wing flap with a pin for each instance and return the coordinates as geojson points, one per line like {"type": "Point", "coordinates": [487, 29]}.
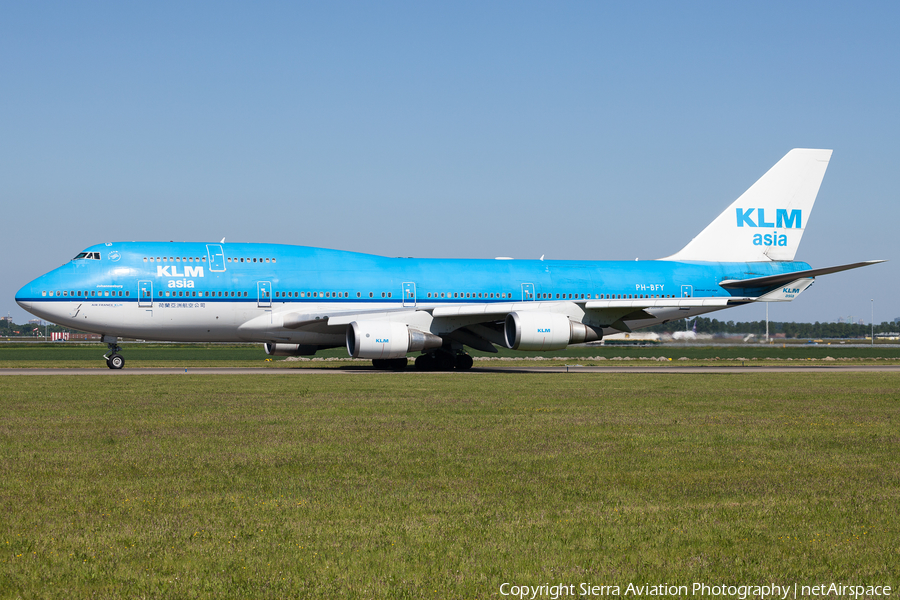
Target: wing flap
{"type": "Point", "coordinates": [665, 303]}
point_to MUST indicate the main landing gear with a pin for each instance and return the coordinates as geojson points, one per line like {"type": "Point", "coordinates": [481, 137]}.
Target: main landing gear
{"type": "Point", "coordinates": [114, 360]}
{"type": "Point", "coordinates": [442, 360]}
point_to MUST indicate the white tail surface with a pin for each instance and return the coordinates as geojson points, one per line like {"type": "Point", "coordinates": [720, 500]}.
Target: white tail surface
{"type": "Point", "coordinates": [768, 220]}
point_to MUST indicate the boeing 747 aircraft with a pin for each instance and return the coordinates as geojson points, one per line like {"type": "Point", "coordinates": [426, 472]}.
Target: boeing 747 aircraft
{"type": "Point", "coordinates": [297, 300]}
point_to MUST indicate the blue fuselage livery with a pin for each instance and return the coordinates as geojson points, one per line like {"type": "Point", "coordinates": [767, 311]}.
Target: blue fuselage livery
{"type": "Point", "coordinates": [297, 300]}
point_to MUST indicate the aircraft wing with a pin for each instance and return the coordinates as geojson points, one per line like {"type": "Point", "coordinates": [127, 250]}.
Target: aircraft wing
{"type": "Point", "coordinates": [605, 313]}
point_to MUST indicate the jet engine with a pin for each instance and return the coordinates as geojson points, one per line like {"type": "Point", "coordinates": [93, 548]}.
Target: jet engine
{"type": "Point", "coordinates": [290, 349]}
{"type": "Point", "coordinates": [385, 339]}
{"type": "Point", "coordinates": [546, 331]}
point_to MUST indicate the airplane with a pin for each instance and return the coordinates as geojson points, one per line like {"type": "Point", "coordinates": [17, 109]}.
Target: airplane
{"type": "Point", "coordinates": [297, 300]}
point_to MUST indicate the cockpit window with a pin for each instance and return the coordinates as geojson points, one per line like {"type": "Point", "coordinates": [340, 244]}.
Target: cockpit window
{"type": "Point", "coordinates": [89, 256]}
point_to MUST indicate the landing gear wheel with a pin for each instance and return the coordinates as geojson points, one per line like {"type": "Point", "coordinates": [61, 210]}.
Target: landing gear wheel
{"type": "Point", "coordinates": [425, 362]}
{"type": "Point", "coordinates": [114, 360]}
{"type": "Point", "coordinates": [445, 361]}
{"type": "Point", "coordinates": [464, 362]}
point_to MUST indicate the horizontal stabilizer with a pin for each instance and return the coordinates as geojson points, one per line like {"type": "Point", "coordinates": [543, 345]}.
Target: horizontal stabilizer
{"type": "Point", "coordinates": [772, 280]}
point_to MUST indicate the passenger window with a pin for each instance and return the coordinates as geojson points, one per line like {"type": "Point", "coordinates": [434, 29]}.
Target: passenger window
{"type": "Point", "coordinates": [357, 294]}
{"type": "Point", "coordinates": [370, 294]}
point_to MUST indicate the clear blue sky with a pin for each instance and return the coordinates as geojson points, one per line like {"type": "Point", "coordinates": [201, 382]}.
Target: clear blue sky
{"type": "Point", "coordinates": [573, 130]}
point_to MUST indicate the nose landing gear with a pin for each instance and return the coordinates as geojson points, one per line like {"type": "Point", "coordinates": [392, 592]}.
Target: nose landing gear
{"type": "Point", "coordinates": [114, 360]}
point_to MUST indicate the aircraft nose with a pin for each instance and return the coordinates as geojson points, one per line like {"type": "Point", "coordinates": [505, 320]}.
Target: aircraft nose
{"type": "Point", "coordinates": [23, 297]}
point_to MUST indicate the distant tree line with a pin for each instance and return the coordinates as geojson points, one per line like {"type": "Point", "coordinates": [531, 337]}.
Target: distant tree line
{"type": "Point", "coordinates": [790, 330]}
{"type": "Point", "coordinates": [8, 328]}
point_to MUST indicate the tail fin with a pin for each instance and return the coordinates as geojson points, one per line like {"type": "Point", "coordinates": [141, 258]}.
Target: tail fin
{"type": "Point", "coordinates": [768, 220]}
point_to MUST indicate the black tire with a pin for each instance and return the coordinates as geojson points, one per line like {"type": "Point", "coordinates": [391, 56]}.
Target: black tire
{"type": "Point", "coordinates": [398, 364]}
{"type": "Point", "coordinates": [425, 362]}
{"type": "Point", "coordinates": [115, 362]}
{"type": "Point", "coordinates": [464, 362]}
{"type": "Point", "coordinates": [378, 363]}
{"type": "Point", "coordinates": [445, 361]}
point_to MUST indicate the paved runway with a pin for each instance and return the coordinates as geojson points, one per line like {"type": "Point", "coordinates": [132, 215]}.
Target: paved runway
{"type": "Point", "coordinates": [360, 370]}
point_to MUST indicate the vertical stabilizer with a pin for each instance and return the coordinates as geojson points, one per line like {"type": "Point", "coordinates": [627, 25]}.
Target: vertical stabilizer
{"type": "Point", "coordinates": [768, 220]}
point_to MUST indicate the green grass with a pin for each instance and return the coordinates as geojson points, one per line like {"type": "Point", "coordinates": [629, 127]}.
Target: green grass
{"type": "Point", "coordinates": [443, 486]}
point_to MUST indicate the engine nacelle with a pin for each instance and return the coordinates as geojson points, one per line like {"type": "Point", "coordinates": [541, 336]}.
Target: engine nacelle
{"type": "Point", "coordinates": [290, 349]}
{"type": "Point", "coordinates": [546, 331]}
{"type": "Point", "coordinates": [385, 339]}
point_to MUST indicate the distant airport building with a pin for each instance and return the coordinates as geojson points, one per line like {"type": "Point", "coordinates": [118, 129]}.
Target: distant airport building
{"type": "Point", "coordinates": [65, 336]}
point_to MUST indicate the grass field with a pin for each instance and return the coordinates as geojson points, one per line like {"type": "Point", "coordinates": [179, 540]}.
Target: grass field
{"type": "Point", "coordinates": [72, 355]}
{"type": "Point", "coordinates": [443, 486]}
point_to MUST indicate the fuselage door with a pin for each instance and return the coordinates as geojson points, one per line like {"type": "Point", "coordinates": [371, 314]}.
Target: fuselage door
{"type": "Point", "coordinates": [264, 294]}
{"type": "Point", "coordinates": [216, 257]}
{"type": "Point", "coordinates": [145, 293]}
{"type": "Point", "coordinates": [409, 293]}
{"type": "Point", "coordinates": [687, 291]}
{"type": "Point", "coordinates": [527, 292]}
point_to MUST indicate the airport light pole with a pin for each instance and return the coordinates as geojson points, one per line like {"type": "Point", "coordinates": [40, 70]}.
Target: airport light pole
{"type": "Point", "coordinates": [873, 321]}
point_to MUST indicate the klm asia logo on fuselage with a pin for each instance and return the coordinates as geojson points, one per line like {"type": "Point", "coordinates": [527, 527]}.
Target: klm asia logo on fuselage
{"type": "Point", "coordinates": [784, 219]}
{"type": "Point", "coordinates": [172, 271]}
